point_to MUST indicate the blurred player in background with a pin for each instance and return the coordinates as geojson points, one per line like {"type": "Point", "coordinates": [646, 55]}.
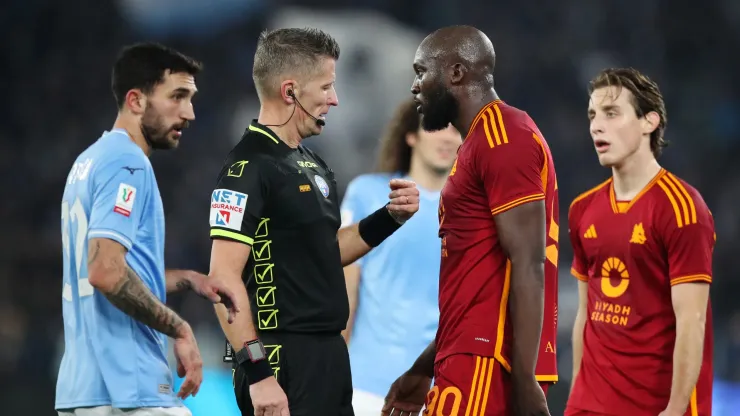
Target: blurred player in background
{"type": "Point", "coordinates": [114, 281]}
{"type": "Point", "coordinates": [393, 290]}
{"type": "Point", "coordinates": [642, 243]}
{"type": "Point", "coordinates": [498, 216]}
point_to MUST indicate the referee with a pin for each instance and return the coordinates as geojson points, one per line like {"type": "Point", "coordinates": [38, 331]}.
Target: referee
{"type": "Point", "coordinates": [276, 239]}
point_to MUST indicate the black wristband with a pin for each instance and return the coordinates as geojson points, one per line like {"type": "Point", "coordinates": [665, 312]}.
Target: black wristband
{"type": "Point", "coordinates": [253, 359]}
{"type": "Point", "coordinates": [378, 226]}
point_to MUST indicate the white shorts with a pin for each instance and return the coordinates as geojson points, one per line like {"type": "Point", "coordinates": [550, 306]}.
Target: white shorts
{"type": "Point", "coordinates": [366, 404]}
{"type": "Point", "coordinates": [141, 411]}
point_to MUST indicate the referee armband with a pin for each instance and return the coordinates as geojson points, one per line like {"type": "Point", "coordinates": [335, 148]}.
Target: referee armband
{"type": "Point", "coordinates": [378, 226]}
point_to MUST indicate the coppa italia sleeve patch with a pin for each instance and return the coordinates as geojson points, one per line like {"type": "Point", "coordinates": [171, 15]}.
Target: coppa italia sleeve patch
{"type": "Point", "coordinates": [125, 199]}
{"type": "Point", "coordinates": [227, 209]}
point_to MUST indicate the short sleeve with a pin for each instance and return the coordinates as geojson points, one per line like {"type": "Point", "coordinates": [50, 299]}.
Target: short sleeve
{"type": "Point", "coordinates": [689, 239]}
{"type": "Point", "coordinates": [579, 267]}
{"type": "Point", "coordinates": [119, 197]}
{"type": "Point", "coordinates": [238, 200]}
{"type": "Point", "coordinates": [355, 205]}
{"type": "Point", "coordinates": [511, 171]}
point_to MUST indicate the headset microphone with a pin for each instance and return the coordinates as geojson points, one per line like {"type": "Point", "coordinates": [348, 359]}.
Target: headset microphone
{"type": "Point", "coordinates": [319, 122]}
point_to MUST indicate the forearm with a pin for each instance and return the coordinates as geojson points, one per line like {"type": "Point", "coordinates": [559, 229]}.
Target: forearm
{"type": "Point", "coordinates": [177, 280]}
{"type": "Point", "coordinates": [424, 365]}
{"type": "Point", "coordinates": [351, 245]}
{"type": "Point", "coordinates": [526, 305]}
{"type": "Point", "coordinates": [241, 330]}
{"type": "Point", "coordinates": [578, 327]}
{"type": "Point", "coordinates": [352, 281]}
{"type": "Point", "coordinates": [687, 361]}
{"type": "Point", "coordinates": [130, 295]}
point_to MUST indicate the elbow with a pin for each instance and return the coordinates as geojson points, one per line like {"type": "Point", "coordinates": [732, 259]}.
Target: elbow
{"type": "Point", "coordinates": [691, 322]}
{"type": "Point", "coordinates": [102, 279]}
{"type": "Point", "coordinates": [528, 270]}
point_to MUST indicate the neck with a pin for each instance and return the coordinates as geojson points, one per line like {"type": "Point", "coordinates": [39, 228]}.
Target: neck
{"type": "Point", "coordinates": [476, 99]}
{"type": "Point", "coordinates": [426, 177]}
{"type": "Point", "coordinates": [273, 117]}
{"type": "Point", "coordinates": [634, 174]}
{"type": "Point", "coordinates": [132, 126]}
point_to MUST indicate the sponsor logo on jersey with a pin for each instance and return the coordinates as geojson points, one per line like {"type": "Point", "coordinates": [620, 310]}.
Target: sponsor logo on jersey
{"type": "Point", "coordinates": [227, 209]}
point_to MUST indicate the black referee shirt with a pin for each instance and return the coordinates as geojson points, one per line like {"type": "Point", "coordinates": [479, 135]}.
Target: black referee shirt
{"type": "Point", "coordinates": [283, 202]}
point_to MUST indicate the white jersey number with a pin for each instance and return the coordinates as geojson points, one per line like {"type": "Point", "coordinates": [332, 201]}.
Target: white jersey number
{"type": "Point", "coordinates": [70, 215]}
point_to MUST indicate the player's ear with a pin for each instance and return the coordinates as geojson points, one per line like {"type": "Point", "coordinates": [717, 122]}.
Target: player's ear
{"type": "Point", "coordinates": [136, 101]}
{"type": "Point", "coordinates": [651, 121]}
{"type": "Point", "coordinates": [412, 138]}
{"type": "Point", "coordinates": [288, 91]}
{"type": "Point", "coordinates": [457, 71]}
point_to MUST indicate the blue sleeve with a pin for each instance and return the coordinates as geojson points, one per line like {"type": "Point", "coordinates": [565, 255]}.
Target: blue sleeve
{"type": "Point", "coordinates": [356, 200]}
{"type": "Point", "coordinates": [120, 189]}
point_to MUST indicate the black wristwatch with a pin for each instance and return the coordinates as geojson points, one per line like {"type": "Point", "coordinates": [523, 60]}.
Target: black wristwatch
{"type": "Point", "coordinates": [253, 351]}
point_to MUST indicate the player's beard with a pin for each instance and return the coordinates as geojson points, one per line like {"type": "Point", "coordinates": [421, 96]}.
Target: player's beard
{"type": "Point", "coordinates": [439, 110]}
{"type": "Point", "coordinates": [155, 132]}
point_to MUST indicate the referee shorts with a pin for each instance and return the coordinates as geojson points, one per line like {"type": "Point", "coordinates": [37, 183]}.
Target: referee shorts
{"type": "Point", "coordinates": [312, 369]}
{"type": "Point", "coordinates": [467, 384]}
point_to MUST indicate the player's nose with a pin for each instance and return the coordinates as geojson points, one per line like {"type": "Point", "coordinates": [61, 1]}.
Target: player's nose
{"type": "Point", "coordinates": [188, 113]}
{"type": "Point", "coordinates": [415, 89]}
{"type": "Point", "coordinates": [596, 128]}
{"type": "Point", "coordinates": [333, 99]}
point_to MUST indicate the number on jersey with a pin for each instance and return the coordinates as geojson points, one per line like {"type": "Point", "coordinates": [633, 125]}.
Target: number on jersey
{"type": "Point", "coordinates": [73, 215]}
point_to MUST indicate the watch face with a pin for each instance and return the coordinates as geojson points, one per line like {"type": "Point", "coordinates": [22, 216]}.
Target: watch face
{"type": "Point", "coordinates": [255, 350]}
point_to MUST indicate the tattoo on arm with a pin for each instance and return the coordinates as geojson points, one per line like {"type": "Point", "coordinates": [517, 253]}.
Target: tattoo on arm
{"type": "Point", "coordinates": [183, 285]}
{"type": "Point", "coordinates": [92, 252]}
{"type": "Point", "coordinates": [133, 297]}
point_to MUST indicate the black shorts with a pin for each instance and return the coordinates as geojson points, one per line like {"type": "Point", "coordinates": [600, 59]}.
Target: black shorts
{"type": "Point", "coordinates": [313, 370]}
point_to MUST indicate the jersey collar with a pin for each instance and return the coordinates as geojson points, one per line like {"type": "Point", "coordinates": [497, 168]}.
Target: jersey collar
{"type": "Point", "coordinates": [256, 127]}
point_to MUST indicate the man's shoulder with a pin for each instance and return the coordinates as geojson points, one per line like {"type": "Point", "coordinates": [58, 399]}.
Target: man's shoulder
{"type": "Point", "coordinates": [370, 181]}
{"type": "Point", "coordinates": [253, 151]}
{"type": "Point", "coordinates": [498, 124]}
{"type": "Point", "coordinates": [579, 203]}
{"type": "Point", "coordinates": [108, 158]}
{"type": "Point", "coordinates": [676, 198]}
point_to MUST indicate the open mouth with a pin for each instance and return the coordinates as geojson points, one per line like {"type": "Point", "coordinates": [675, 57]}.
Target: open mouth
{"type": "Point", "coordinates": [601, 145]}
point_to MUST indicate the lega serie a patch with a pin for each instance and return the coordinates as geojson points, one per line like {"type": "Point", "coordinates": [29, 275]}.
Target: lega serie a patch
{"type": "Point", "coordinates": [125, 199]}
{"type": "Point", "coordinates": [323, 186]}
{"type": "Point", "coordinates": [227, 209]}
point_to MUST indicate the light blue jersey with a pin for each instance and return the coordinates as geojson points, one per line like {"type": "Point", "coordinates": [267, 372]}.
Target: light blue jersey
{"type": "Point", "coordinates": [397, 314]}
{"type": "Point", "coordinates": [109, 358]}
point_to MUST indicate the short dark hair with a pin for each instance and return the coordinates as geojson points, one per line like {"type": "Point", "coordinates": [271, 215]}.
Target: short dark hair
{"type": "Point", "coordinates": [395, 152]}
{"type": "Point", "coordinates": [143, 65]}
{"type": "Point", "coordinates": [283, 50]}
{"type": "Point", "coordinates": [646, 98]}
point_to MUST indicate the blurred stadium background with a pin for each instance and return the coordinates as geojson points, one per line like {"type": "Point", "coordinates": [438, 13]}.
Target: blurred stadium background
{"type": "Point", "coordinates": [56, 59]}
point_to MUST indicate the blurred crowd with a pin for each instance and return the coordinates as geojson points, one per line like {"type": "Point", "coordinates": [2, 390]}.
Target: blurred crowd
{"type": "Point", "coordinates": [56, 80]}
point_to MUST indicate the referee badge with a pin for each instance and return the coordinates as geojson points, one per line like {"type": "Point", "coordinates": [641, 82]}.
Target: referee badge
{"type": "Point", "coordinates": [323, 187]}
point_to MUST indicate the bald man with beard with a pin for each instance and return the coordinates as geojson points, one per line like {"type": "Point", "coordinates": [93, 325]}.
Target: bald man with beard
{"type": "Point", "coordinates": [494, 352]}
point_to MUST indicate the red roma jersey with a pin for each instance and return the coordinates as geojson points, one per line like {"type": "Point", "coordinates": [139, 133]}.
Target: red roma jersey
{"type": "Point", "coordinates": [631, 253]}
{"type": "Point", "coordinates": [503, 162]}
